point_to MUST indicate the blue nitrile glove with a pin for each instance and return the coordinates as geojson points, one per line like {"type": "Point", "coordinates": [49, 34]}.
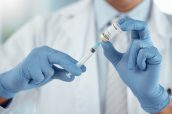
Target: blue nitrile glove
{"type": "Point", "coordinates": [139, 67]}
{"type": "Point", "coordinates": [38, 69]}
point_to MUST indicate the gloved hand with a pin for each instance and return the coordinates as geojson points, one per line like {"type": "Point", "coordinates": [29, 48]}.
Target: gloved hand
{"type": "Point", "coordinates": [139, 67]}
{"type": "Point", "coordinates": [38, 69]}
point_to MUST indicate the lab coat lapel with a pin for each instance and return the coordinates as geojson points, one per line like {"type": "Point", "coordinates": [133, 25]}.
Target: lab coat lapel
{"type": "Point", "coordinates": [163, 24]}
{"type": "Point", "coordinates": [159, 29]}
{"type": "Point", "coordinates": [81, 30]}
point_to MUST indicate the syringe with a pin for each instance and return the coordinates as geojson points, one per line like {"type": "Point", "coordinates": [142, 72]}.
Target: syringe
{"type": "Point", "coordinates": [107, 35]}
{"type": "Point", "coordinates": [86, 57]}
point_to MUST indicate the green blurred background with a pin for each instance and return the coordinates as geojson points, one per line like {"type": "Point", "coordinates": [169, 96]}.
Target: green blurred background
{"type": "Point", "coordinates": [14, 13]}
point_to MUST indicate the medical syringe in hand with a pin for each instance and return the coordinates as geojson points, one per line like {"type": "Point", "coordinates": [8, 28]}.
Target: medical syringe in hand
{"type": "Point", "coordinates": [86, 57]}
{"type": "Point", "coordinates": [107, 35]}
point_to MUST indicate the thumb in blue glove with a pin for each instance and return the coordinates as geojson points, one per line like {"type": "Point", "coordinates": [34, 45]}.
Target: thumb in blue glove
{"type": "Point", "coordinates": [142, 77]}
{"type": "Point", "coordinates": [38, 69]}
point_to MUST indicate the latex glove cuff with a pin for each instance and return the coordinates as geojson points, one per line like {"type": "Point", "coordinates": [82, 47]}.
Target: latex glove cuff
{"type": "Point", "coordinates": [157, 103]}
{"type": "Point", "coordinates": [4, 93]}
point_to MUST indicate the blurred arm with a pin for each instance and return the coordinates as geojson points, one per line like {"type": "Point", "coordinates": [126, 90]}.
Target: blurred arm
{"type": "Point", "coordinates": [13, 51]}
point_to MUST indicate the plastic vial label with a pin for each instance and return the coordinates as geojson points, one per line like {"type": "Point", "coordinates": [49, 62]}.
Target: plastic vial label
{"type": "Point", "coordinates": [110, 32]}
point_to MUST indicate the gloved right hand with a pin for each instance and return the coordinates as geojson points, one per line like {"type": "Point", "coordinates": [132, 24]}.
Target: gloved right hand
{"type": "Point", "coordinates": [38, 69]}
{"type": "Point", "coordinates": [140, 66]}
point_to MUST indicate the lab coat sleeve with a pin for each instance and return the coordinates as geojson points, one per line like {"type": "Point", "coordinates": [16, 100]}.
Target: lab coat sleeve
{"type": "Point", "coordinates": [2, 110]}
{"type": "Point", "coordinates": [13, 51]}
{"type": "Point", "coordinates": [20, 44]}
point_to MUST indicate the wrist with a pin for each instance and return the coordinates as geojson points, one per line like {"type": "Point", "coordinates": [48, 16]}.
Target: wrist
{"type": "Point", "coordinates": [156, 101]}
{"type": "Point", "coordinates": [167, 109]}
{"type": "Point", "coordinates": [4, 93]}
{"type": "Point", "coordinates": [3, 100]}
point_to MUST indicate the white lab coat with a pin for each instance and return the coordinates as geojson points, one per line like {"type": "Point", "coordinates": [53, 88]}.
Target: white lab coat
{"type": "Point", "coordinates": [72, 30]}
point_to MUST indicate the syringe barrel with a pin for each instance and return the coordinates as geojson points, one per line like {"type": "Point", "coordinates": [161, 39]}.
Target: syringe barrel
{"type": "Point", "coordinates": [84, 59]}
{"type": "Point", "coordinates": [81, 62]}
{"type": "Point", "coordinates": [110, 31]}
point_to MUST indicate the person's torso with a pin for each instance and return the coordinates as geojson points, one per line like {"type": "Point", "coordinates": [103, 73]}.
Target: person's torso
{"type": "Point", "coordinates": [75, 35]}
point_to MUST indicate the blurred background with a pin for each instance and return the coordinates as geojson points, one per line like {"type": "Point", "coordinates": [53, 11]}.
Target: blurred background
{"type": "Point", "coordinates": [14, 13]}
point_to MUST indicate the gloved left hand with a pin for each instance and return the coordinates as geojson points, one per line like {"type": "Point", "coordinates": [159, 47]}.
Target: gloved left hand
{"type": "Point", "coordinates": [37, 70]}
{"type": "Point", "coordinates": [139, 67]}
